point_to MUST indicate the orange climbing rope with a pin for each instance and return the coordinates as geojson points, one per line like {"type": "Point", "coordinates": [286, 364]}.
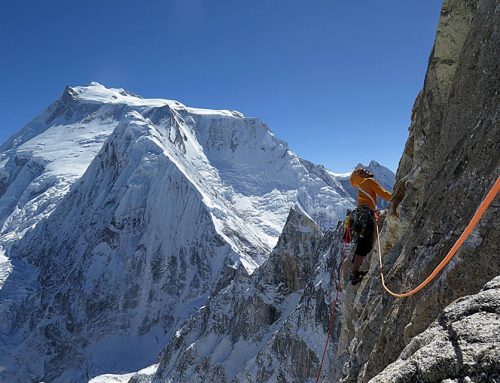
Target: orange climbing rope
{"type": "Point", "coordinates": [332, 316]}
{"type": "Point", "coordinates": [475, 219]}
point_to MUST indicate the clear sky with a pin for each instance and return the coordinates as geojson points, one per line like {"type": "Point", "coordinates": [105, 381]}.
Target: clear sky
{"type": "Point", "coordinates": [335, 79]}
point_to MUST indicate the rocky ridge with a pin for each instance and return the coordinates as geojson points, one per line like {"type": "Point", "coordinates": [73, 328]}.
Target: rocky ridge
{"type": "Point", "coordinates": [450, 161]}
{"type": "Point", "coordinates": [245, 324]}
{"type": "Point", "coordinates": [462, 344]}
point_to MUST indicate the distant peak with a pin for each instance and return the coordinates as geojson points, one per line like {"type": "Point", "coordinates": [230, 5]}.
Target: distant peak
{"type": "Point", "coordinates": [95, 83]}
{"type": "Point", "coordinates": [121, 91]}
{"type": "Point", "coordinates": [96, 93]}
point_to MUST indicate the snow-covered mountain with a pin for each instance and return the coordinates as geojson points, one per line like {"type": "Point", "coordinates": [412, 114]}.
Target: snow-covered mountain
{"type": "Point", "coordinates": [121, 216]}
{"type": "Point", "coordinates": [38, 164]}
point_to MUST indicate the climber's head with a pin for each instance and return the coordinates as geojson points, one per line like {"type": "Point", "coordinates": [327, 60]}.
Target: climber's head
{"type": "Point", "coordinates": [358, 175]}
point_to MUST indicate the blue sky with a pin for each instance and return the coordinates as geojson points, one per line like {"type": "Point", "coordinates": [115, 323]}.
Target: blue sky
{"type": "Point", "coordinates": [335, 79]}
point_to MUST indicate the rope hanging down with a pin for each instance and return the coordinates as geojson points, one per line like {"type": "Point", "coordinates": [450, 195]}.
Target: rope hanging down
{"type": "Point", "coordinates": [332, 316]}
{"type": "Point", "coordinates": [475, 219]}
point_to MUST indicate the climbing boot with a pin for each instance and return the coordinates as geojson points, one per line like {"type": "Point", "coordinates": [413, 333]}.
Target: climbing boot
{"type": "Point", "coordinates": [357, 277]}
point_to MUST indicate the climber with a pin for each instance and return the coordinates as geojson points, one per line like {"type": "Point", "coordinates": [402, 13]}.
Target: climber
{"type": "Point", "coordinates": [364, 220]}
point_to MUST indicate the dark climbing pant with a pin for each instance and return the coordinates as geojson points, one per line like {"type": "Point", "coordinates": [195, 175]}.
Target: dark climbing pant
{"type": "Point", "coordinates": [365, 229]}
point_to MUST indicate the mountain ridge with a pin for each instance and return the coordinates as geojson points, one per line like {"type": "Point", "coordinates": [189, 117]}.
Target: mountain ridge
{"type": "Point", "coordinates": [135, 189]}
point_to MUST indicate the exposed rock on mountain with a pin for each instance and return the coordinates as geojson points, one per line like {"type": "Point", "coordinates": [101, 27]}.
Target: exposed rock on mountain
{"type": "Point", "coordinates": [261, 327]}
{"type": "Point", "coordinates": [134, 226]}
{"type": "Point", "coordinates": [451, 159]}
{"type": "Point", "coordinates": [462, 345]}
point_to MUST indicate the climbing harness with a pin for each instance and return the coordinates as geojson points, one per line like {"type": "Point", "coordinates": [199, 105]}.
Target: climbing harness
{"type": "Point", "coordinates": [332, 316]}
{"type": "Point", "coordinates": [475, 219]}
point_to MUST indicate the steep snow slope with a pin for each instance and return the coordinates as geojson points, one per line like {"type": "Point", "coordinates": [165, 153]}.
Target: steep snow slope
{"type": "Point", "coordinates": [115, 260]}
{"type": "Point", "coordinates": [253, 172]}
{"type": "Point", "coordinates": [38, 164]}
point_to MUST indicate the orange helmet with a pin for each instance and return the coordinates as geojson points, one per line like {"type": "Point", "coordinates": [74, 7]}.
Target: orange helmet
{"type": "Point", "coordinates": [365, 173]}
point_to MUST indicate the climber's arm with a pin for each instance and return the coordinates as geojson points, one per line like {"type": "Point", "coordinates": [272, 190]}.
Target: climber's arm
{"type": "Point", "coordinates": [375, 186]}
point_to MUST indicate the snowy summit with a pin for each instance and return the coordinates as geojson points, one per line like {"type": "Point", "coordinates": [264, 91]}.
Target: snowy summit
{"type": "Point", "coordinates": [157, 200]}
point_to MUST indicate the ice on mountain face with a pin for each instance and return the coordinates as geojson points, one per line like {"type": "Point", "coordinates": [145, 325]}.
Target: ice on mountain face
{"type": "Point", "coordinates": [116, 255]}
{"type": "Point", "coordinates": [41, 162]}
{"type": "Point", "coordinates": [161, 259]}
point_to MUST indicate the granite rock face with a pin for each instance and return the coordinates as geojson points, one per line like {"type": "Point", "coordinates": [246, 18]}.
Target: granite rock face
{"type": "Point", "coordinates": [462, 345]}
{"type": "Point", "coordinates": [451, 159]}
